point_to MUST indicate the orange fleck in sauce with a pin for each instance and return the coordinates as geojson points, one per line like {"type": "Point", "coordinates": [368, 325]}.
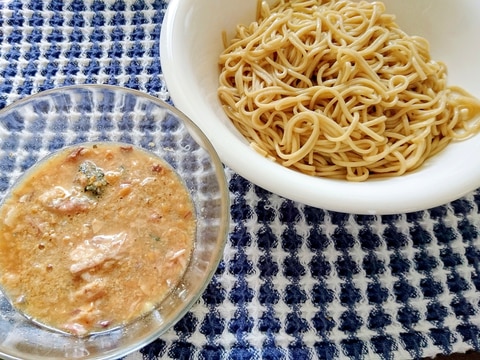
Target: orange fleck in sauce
{"type": "Point", "coordinates": [95, 236]}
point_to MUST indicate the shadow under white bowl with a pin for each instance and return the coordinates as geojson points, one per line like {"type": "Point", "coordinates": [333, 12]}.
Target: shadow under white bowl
{"type": "Point", "coordinates": [191, 41]}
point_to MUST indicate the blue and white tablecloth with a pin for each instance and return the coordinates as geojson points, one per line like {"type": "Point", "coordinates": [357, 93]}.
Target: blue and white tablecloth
{"type": "Point", "coordinates": [296, 282]}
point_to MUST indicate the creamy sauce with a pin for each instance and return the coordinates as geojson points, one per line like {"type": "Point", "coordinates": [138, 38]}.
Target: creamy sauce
{"type": "Point", "coordinates": [95, 236]}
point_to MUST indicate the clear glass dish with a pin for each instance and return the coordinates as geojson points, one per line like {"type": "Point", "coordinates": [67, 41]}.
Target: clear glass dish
{"type": "Point", "coordinates": [34, 127]}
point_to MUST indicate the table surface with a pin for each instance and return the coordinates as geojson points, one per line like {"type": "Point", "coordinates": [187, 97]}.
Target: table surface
{"type": "Point", "coordinates": [295, 281]}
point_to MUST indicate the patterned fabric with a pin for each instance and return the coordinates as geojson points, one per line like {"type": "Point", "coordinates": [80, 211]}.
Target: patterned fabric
{"type": "Point", "coordinates": [295, 282]}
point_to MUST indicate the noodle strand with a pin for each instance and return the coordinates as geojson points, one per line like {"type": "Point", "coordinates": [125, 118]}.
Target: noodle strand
{"type": "Point", "coordinates": [335, 88]}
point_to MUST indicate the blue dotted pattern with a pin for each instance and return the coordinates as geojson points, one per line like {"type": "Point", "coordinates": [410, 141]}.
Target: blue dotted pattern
{"type": "Point", "coordinates": [47, 44]}
{"type": "Point", "coordinates": [296, 282]}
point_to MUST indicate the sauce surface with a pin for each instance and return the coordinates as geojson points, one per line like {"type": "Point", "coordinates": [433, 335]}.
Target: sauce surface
{"type": "Point", "coordinates": [95, 236]}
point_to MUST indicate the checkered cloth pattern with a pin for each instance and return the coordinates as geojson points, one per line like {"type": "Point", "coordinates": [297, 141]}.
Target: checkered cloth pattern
{"type": "Point", "coordinates": [295, 282]}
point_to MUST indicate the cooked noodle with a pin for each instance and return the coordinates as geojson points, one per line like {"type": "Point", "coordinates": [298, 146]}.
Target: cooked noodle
{"type": "Point", "coordinates": [337, 89]}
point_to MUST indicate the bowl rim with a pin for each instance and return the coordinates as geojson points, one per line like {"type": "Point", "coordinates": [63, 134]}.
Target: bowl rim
{"type": "Point", "coordinates": [222, 236]}
{"type": "Point", "coordinates": [412, 191]}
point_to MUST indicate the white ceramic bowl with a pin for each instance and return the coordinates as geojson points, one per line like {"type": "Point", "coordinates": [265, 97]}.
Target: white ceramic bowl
{"type": "Point", "coordinates": [191, 41]}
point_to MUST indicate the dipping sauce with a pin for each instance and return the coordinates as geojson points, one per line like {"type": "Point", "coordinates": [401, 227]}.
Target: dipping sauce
{"type": "Point", "coordinates": [95, 236]}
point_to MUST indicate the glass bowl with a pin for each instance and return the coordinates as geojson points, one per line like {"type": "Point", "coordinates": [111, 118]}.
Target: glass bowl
{"type": "Point", "coordinates": [36, 126]}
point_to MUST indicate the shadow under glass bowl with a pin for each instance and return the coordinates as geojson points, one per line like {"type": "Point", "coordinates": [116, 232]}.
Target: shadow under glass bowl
{"type": "Point", "coordinates": [36, 126]}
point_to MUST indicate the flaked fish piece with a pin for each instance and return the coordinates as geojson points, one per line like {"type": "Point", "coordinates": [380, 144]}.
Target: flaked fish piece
{"type": "Point", "coordinates": [91, 291]}
{"type": "Point", "coordinates": [96, 251]}
{"type": "Point", "coordinates": [61, 200]}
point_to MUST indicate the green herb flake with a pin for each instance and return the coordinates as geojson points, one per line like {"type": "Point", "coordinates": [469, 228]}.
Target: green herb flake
{"type": "Point", "coordinates": [92, 177]}
{"type": "Point", "coordinates": [155, 237]}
